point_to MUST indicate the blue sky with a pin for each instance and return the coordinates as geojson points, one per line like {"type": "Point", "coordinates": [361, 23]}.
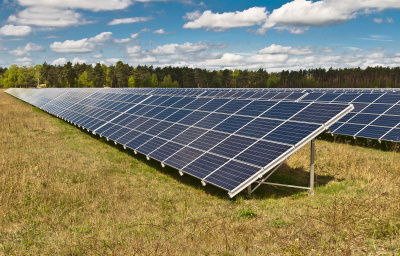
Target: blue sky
{"type": "Point", "coordinates": [272, 35]}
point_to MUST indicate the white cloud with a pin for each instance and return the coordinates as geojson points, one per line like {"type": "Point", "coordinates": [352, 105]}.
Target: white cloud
{"type": "Point", "coordinates": [179, 48]}
{"type": "Point", "coordinates": [122, 41]}
{"type": "Point", "coordinates": [129, 20]}
{"type": "Point", "coordinates": [81, 46]}
{"type": "Point", "coordinates": [112, 60]}
{"type": "Point", "coordinates": [160, 32]}
{"type": "Point", "coordinates": [26, 61]}
{"type": "Point", "coordinates": [101, 38]}
{"type": "Point", "coordinates": [133, 50]}
{"type": "Point", "coordinates": [389, 20]}
{"type": "Point", "coordinates": [47, 17]}
{"type": "Point", "coordinates": [279, 49]}
{"type": "Point", "coordinates": [93, 5]}
{"type": "Point", "coordinates": [135, 36]}
{"type": "Point", "coordinates": [71, 46]}
{"type": "Point", "coordinates": [59, 61]}
{"type": "Point", "coordinates": [97, 56]}
{"type": "Point", "coordinates": [220, 22]}
{"type": "Point", "coordinates": [25, 51]}
{"type": "Point", "coordinates": [77, 60]}
{"type": "Point", "coordinates": [377, 20]}
{"type": "Point", "coordinates": [11, 30]}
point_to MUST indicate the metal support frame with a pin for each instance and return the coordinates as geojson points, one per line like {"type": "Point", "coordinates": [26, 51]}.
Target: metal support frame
{"type": "Point", "coordinates": [311, 188]}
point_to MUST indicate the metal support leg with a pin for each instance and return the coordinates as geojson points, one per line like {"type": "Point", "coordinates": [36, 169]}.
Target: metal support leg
{"type": "Point", "coordinates": [249, 190]}
{"type": "Point", "coordinates": [312, 167]}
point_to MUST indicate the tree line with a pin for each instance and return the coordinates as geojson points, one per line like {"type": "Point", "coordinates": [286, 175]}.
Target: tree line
{"type": "Point", "coordinates": [124, 75]}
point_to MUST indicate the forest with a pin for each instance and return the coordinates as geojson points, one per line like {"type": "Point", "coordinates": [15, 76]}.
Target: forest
{"type": "Point", "coordinates": [124, 75]}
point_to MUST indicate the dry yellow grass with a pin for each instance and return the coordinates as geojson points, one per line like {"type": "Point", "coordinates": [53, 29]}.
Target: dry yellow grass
{"type": "Point", "coordinates": [65, 192]}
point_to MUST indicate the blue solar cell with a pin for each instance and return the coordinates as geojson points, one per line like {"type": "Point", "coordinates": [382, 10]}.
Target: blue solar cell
{"type": "Point", "coordinates": [284, 110]}
{"type": "Point", "coordinates": [121, 132]}
{"type": "Point", "coordinates": [166, 113]}
{"type": "Point", "coordinates": [367, 98]}
{"type": "Point", "coordinates": [291, 132]}
{"type": "Point", "coordinates": [120, 118]}
{"type": "Point", "coordinates": [110, 131]}
{"type": "Point", "coordinates": [376, 108]}
{"type": "Point", "coordinates": [180, 114]}
{"type": "Point", "coordinates": [388, 121]}
{"type": "Point", "coordinates": [197, 103]}
{"type": "Point", "coordinates": [155, 111]}
{"type": "Point", "coordinates": [147, 125]}
{"type": "Point", "coordinates": [335, 126]}
{"type": "Point", "coordinates": [232, 106]}
{"type": "Point", "coordinates": [373, 132]}
{"type": "Point", "coordinates": [233, 123]}
{"type": "Point", "coordinates": [393, 135]}
{"type": "Point", "coordinates": [204, 165]}
{"type": "Point", "coordinates": [211, 120]}
{"type": "Point", "coordinates": [279, 96]}
{"type": "Point", "coordinates": [256, 108]}
{"type": "Point", "coordinates": [362, 119]}
{"type": "Point", "coordinates": [193, 118]}
{"type": "Point", "coordinates": [150, 100]}
{"type": "Point", "coordinates": [172, 131]}
{"type": "Point", "coordinates": [394, 110]}
{"type": "Point", "coordinates": [328, 97]}
{"type": "Point", "coordinates": [263, 153]}
{"type": "Point", "coordinates": [138, 141]}
{"type": "Point", "coordinates": [346, 117]}
{"type": "Point", "coordinates": [151, 145]}
{"type": "Point", "coordinates": [232, 175]}
{"type": "Point", "coordinates": [182, 102]}
{"type": "Point", "coordinates": [183, 157]}
{"type": "Point", "coordinates": [208, 140]}
{"type": "Point", "coordinates": [214, 104]}
{"type": "Point", "coordinates": [358, 107]}
{"type": "Point", "coordinates": [294, 96]}
{"type": "Point", "coordinates": [189, 135]}
{"type": "Point", "coordinates": [389, 99]}
{"type": "Point", "coordinates": [128, 137]}
{"type": "Point", "coordinates": [319, 113]}
{"type": "Point", "coordinates": [165, 151]}
{"type": "Point", "coordinates": [232, 146]}
{"type": "Point", "coordinates": [127, 120]}
{"type": "Point", "coordinates": [158, 128]}
{"type": "Point", "coordinates": [259, 127]}
{"type": "Point", "coordinates": [135, 123]}
{"type": "Point", "coordinates": [349, 129]}
{"type": "Point", "coordinates": [135, 109]}
{"type": "Point", "coordinates": [160, 100]}
{"type": "Point", "coordinates": [257, 95]}
{"type": "Point", "coordinates": [144, 110]}
{"type": "Point", "coordinates": [312, 96]}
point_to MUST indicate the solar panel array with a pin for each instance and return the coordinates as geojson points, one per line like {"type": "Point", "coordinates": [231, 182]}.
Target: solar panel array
{"type": "Point", "coordinates": [227, 138]}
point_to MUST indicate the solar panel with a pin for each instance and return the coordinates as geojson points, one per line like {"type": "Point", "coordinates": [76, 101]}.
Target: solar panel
{"type": "Point", "coordinates": [227, 142]}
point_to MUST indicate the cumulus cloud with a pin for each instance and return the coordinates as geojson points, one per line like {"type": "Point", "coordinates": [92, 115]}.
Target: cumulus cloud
{"type": "Point", "coordinates": [377, 20]}
{"type": "Point", "coordinates": [92, 5]}
{"type": "Point", "coordinates": [59, 61]}
{"type": "Point", "coordinates": [97, 56]}
{"type": "Point", "coordinates": [223, 21]}
{"type": "Point", "coordinates": [133, 50]}
{"type": "Point", "coordinates": [81, 46]}
{"type": "Point", "coordinates": [47, 17]}
{"type": "Point", "coordinates": [180, 48]}
{"type": "Point", "coordinates": [160, 32]}
{"type": "Point", "coordinates": [129, 20]}
{"type": "Point", "coordinates": [25, 51]}
{"type": "Point", "coordinates": [77, 60]}
{"type": "Point", "coordinates": [122, 41]}
{"type": "Point", "coordinates": [11, 30]}
{"type": "Point", "coordinates": [25, 61]}
{"type": "Point", "coordinates": [279, 49]}
{"type": "Point", "coordinates": [112, 60]}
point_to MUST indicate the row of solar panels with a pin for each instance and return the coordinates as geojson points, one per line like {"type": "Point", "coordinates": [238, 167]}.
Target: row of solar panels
{"type": "Point", "coordinates": [229, 143]}
{"type": "Point", "coordinates": [376, 113]}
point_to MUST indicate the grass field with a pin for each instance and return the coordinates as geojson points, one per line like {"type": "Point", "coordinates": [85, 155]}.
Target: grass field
{"type": "Point", "coordinates": [66, 192]}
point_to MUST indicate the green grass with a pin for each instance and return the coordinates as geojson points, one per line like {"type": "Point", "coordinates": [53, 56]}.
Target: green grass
{"type": "Point", "coordinates": [67, 192]}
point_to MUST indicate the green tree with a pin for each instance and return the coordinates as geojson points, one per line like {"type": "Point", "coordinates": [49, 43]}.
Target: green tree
{"type": "Point", "coordinates": [83, 80]}
{"type": "Point", "coordinates": [131, 82]}
{"type": "Point", "coordinates": [153, 80]}
{"type": "Point", "coordinates": [167, 81]}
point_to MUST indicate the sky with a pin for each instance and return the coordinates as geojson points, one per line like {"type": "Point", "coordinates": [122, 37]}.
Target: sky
{"type": "Point", "coordinates": [272, 35]}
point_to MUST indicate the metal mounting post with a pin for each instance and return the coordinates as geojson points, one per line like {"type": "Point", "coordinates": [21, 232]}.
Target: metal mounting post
{"type": "Point", "coordinates": [312, 167]}
{"type": "Point", "coordinates": [249, 190]}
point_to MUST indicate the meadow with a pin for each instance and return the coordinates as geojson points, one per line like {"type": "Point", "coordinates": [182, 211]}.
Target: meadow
{"type": "Point", "coordinates": [64, 191]}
